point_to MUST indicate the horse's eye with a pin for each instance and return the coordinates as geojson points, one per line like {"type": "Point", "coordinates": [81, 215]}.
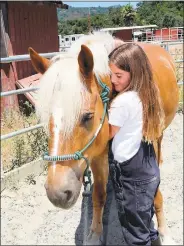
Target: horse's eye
{"type": "Point", "coordinates": [86, 117]}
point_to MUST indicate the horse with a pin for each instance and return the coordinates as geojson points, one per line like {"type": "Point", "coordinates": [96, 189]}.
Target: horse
{"type": "Point", "coordinates": [69, 104]}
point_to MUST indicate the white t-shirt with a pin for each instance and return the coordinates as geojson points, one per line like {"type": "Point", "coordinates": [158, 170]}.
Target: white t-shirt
{"type": "Point", "coordinates": [126, 112]}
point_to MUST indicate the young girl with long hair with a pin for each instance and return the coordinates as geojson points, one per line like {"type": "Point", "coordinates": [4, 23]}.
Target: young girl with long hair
{"type": "Point", "coordinates": [136, 119]}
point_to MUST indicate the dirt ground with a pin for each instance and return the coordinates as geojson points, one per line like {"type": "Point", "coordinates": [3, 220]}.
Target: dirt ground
{"type": "Point", "coordinates": [28, 218]}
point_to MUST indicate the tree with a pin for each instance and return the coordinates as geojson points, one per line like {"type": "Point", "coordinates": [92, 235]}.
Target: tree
{"type": "Point", "coordinates": [161, 13]}
{"type": "Point", "coordinates": [170, 20]}
{"type": "Point", "coordinates": [115, 17]}
{"type": "Point", "coordinates": [128, 14]}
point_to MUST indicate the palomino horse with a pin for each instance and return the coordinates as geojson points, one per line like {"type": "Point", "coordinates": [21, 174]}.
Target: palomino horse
{"type": "Point", "coordinates": [69, 103]}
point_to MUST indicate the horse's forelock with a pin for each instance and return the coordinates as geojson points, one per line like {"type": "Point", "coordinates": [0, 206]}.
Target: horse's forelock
{"type": "Point", "coordinates": [62, 95]}
{"type": "Point", "coordinates": [62, 92]}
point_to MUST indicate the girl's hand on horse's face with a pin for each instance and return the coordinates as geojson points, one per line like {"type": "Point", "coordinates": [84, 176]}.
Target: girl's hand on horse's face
{"type": "Point", "coordinates": [119, 78]}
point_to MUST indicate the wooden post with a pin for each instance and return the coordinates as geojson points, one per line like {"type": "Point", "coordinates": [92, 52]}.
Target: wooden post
{"type": "Point", "coordinates": [8, 71]}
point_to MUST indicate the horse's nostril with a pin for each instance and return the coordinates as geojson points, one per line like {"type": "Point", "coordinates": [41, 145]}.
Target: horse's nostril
{"type": "Point", "coordinates": [68, 193]}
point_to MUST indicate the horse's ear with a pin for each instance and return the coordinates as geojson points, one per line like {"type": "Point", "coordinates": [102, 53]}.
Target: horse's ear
{"type": "Point", "coordinates": [85, 60]}
{"type": "Point", "coordinates": [39, 63]}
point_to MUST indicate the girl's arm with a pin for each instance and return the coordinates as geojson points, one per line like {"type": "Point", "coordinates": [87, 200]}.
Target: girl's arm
{"type": "Point", "coordinates": [112, 131]}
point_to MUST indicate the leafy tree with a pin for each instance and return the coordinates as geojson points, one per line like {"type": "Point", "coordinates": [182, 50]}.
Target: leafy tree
{"type": "Point", "coordinates": [115, 16]}
{"type": "Point", "coordinates": [128, 14]}
{"type": "Point", "coordinates": [161, 13]}
{"type": "Point", "coordinates": [170, 20]}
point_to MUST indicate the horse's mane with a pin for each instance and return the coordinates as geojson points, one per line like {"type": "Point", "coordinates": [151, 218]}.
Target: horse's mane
{"type": "Point", "coordinates": [62, 93]}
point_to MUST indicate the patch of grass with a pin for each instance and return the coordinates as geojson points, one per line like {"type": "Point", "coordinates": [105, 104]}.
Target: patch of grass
{"type": "Point", "coordinates": [179, 71]}
{"type": "Point", "coordinates": [26, 147]}
{"type": "Point", "coordinates": [180, 93]}
{"type": "Point", "coordinates": [180, 106]}
{"type": "Point", "coordinates": [30, 179]}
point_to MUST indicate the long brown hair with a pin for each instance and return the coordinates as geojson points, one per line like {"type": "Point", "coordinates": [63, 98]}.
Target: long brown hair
{"type": "Point", "coordinates": [131, 58]}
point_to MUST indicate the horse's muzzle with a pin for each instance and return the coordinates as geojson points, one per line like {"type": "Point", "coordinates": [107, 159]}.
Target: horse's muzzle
{"type": "Point", "coordinates": [65, 195]}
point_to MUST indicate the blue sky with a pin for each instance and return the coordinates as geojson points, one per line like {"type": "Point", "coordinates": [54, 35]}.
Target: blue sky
{"type": "Point", "coordinates": [96, 4]}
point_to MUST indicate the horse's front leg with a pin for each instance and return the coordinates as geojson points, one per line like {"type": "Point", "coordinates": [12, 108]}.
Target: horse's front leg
{"type": "Point", "coordinates": [100, 171]}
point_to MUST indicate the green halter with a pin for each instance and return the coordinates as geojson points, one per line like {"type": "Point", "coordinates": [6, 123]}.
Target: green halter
{"type": "Point", "coordinates": [78, 155]}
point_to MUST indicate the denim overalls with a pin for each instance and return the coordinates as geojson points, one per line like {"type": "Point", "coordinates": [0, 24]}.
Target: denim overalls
{"type": "Point", "coordinates": [135, 184]}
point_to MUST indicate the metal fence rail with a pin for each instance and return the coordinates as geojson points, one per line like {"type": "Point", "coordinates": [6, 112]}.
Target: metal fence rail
{"type": "Point", "coordinates": [19, 91]}
{"type": "Point", "coordinates": [180, 83]}
{"type": "Point", "coordinates": [19, 132]}
{"type": "Point", "coordinates": [26, 57]}
{"type": "Point", "coordinates": [31, 128]}
{"type": "Point", "coordinates": [177, 61]}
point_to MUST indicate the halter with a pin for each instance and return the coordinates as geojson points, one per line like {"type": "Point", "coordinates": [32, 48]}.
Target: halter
{"type": "Point", "coordinates": [78, 155]}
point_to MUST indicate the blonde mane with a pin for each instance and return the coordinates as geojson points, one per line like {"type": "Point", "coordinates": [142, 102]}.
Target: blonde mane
{"type": "Point", "coordinates": [62, 93]}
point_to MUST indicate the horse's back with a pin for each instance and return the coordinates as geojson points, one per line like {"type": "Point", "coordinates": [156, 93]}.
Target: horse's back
{"type": "Point", "coordinates": [165, 76]}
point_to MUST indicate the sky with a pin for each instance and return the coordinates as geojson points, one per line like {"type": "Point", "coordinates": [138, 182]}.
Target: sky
{"type": "Point", "coordinates": [96, 3]}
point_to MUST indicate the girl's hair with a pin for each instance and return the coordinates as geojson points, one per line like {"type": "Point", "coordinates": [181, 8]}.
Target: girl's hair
{"type": "Point", "coordinates": [131, 58]}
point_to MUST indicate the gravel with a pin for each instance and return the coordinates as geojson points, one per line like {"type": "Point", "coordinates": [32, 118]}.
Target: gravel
{"type": "Point", "coordinates": [28, 218]}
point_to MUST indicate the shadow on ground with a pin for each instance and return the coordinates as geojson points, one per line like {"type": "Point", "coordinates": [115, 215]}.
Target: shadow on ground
{"type": "Point", "coordinates": [112, 234]}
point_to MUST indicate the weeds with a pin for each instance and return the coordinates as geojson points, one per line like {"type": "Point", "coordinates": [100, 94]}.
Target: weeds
{"type": "Point", "coordinates": [30, 179]}
{"type": "Point", "coordinates": [177, 54]}
{"type": "Point", "coordinates": [23, 148]}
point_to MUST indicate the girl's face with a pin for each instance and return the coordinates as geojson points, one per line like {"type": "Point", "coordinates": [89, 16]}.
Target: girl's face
{"type": "Point", "coordinates": [119, 78]}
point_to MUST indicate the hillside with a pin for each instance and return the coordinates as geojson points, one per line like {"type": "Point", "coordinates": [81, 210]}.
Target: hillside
{"type": "Point", "coordinates": [74, 13]}
{"type": "Point", "coordinates": [163, 14]}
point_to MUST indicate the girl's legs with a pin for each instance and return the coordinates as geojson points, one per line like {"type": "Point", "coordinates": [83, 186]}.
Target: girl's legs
{"type": "Point", "coordinates": [135, 183]}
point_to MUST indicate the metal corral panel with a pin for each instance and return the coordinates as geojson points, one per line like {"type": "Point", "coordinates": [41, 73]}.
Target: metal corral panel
{"type": "Point", "coordinates": [32, 25]}
{"type": "Point", "coordinates": [168, 33]}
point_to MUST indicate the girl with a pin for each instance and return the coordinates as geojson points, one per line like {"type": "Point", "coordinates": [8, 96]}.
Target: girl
{"type": "Point", "coordinates": [136, 119]}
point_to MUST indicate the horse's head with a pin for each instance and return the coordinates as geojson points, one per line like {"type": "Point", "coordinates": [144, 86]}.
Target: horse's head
{"type": "Point", "coordinates": [69, 101]}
